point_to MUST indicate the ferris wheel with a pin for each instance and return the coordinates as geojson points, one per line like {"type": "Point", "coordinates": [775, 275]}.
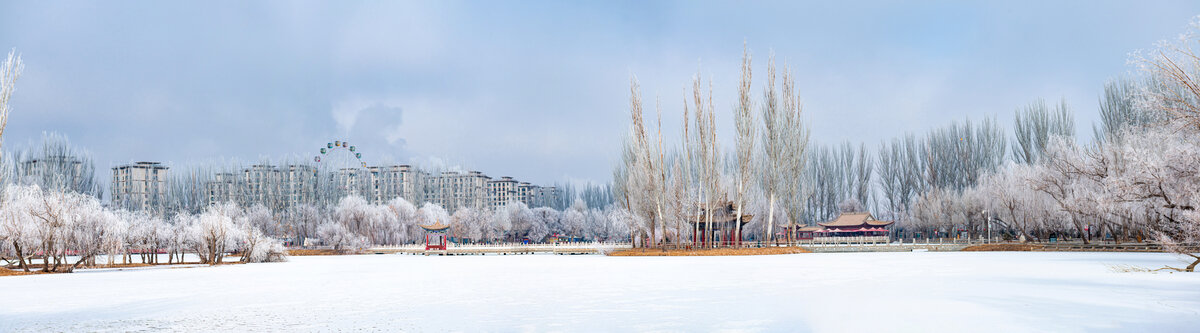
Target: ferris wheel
{"type": "Point", "coordinates": [339, 154]}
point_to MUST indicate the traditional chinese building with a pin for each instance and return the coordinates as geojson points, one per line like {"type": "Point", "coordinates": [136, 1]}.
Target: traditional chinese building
{"type": "Point", "coordinates": [435, 236]}
{"type": "Point", "coordinates": [725, 229]}
{"type": "Point", "coordinates": [851, 226]}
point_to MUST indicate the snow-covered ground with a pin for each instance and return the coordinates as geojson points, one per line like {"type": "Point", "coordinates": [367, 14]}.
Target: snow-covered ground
{"type": "Point", "coordinates": [851, 292]}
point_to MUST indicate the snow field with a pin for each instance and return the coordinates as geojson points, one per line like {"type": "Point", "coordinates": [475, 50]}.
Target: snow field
{"type": "Point", "coordinates": [917, 292]}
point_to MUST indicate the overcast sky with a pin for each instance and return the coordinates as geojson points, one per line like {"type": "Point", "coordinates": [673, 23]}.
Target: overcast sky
{"type": "Point", "coordinates": [535, 90]}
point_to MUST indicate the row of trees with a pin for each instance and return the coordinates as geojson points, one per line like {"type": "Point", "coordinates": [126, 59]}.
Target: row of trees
{"type": "Point", "coordinates": [54, 225]}
{"type": "Point", "coordinates": [669, 192]}
{"type": "Point", "coordinates": [355, 223]}
{"type": "Point", "coordinates": [1135, 180]}
{"type": "Point", "coordinates": [774, 173]}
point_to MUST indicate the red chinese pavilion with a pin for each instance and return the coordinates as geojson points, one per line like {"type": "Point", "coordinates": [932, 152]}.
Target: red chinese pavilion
{"type": "Point", "coordinates": [435, 236]}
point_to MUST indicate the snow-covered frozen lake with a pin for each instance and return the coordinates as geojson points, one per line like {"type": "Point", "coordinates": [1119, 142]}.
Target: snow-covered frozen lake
{"type": "Point", "coordinates": [919, 292]}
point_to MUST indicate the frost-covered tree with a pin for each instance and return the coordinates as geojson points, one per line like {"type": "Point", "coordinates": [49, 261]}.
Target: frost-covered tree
{"type": "Point", "coordinates": [470, 223]}
{"type": "Point", "coordinates": [499, 224]}
{"type": "Point", "coordinates": [799, 187]}
{"type": "Point", "coordinates": [56, 165]}
{"type": "Point", "coordinates": [407, 229]}
{"type": "Point", "coordinates": [851, 205]}
{"type": "Point", "coordinates": [144, 233]}
{"type": "Point", "coordinates": [303, 222]}
{"type": "Point", "coordinates": [17, 222]}
{"type": "Point", "coordinates": [774, 140]}
{"type": "Point", "coordinates": [837, 174]}
{"type": "Point", "coordinates": [431, 213]}
{"type": "Point", "coordinates": [642, 169]}
{"type": "Point", "coordinates": [900, 170]}
{"type": "Point", "coordinates": [1171, 96]}
{"type": "Point", "coordinates": [1069, 177]}
{"type": "Point", "coordinates": [548, 222]}
{"type": "Point", "coordinates": [707, 151]}
{"type": "Point", "coordinates": [10, 72]}
{"type": "Point", "coordinates": [1034, 126]}
{"type": "Point", "coordinates": [523, 224]}
{"type": "Point", "coordinates": [256, 245]}
{"type": "Point", "coordinates": [777, 135]}
{"type": "Point", "coordinates": [743, 114]}
{"type": "Point", "coordinates": [1159, 177]}
{"type": "Point", "coordinates": [178, 245]}
{"type": "Point", "coordinates": [574, 220]}
{"type": "Point", "coordinates": [621, 221]}
{"type": "Point", "coordinates": [54, 213]}
{"type": "Point", "coordinates": [1012, 201]}
{"type": "Point", "coordinates": [363, 218]}
{"type": "Point", "coordinates": [1119, 111]}
{"type": "Point", "coordinates": [214, 232]}
{"type": "Point", "coordinates": [336, 235]}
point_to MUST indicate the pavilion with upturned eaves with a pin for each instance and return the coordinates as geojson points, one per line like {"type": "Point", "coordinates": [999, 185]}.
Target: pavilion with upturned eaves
{"type": "Point", "coordinates": [435, 236]}
{"type": "Point", "coordinates": [850, 226]}
{"type": "Point", "coordinates": [725, 231]}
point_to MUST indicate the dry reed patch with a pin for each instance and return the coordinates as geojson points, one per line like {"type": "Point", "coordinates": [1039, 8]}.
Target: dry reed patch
{"type": "Point", "coordinates": [709, 252]}
{"type": "Point", "coordinates": [1005, 247]}
{"type": "Point", "coordinates": [18, 272]}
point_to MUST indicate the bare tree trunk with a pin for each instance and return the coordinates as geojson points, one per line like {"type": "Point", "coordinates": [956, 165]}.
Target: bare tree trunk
{"type": "Point", "coordinates": [653, 240]}
{"type": "Point", "coordinates": [1082, 233]}
{"type": "Point", "coordinates": [45, 258]}
{"type": "Point", "coordinates": [696, 225]}
{"type": "Point", "coordinates": [81, 261]}
{"type": "Point", "coordinates": [770, 219]}
{"type": "Point", "coordinates": [21, 256]}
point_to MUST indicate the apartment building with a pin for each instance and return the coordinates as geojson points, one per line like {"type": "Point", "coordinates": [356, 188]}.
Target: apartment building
{"type": "Point", "coordinates": [138, 186]}
{"type": "Point", "coordinates": [299, 183]}
{"type": "Point", "coordinates": [501, 191]}
{"type": "Point", "coordinates": [290, 185]}
{"type": "Point", "coordinates": [394, 181]}
{"type": "Point", "coordinates": [222, 188]}
{"type": "Point", "coordinates": [454, 190]}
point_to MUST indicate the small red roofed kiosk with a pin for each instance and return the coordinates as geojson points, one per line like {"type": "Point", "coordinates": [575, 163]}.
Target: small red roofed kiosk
{"type": "Point", "coordinates": [435, 236]}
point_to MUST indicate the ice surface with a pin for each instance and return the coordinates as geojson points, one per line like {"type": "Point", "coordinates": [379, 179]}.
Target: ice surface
{"type": "Point", "coordinates": [919, 292]}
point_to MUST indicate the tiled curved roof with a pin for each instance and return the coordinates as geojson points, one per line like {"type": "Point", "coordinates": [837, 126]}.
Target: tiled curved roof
{"type": "Point", "coordinates": [855, 219]}
{"type": "Point", "coordinates": [436, 226]}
